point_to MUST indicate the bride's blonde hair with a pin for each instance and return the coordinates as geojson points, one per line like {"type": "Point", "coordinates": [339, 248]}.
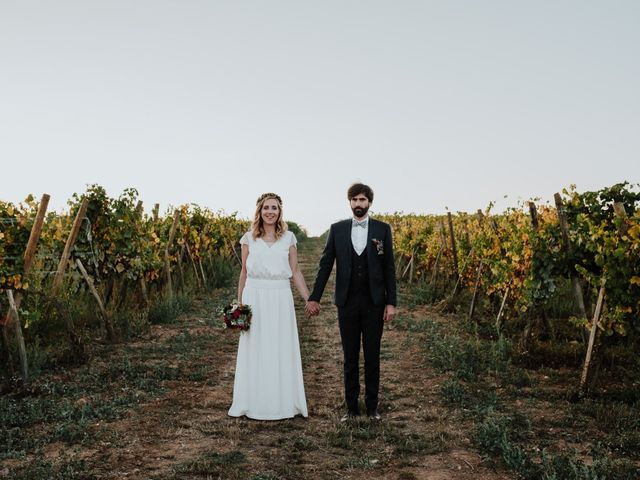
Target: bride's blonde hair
{"type": "Point", "coordinates": [257, 227]}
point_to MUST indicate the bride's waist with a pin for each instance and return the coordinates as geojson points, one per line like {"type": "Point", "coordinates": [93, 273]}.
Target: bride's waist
{"type": "Point", "coordinates": [267, 283]}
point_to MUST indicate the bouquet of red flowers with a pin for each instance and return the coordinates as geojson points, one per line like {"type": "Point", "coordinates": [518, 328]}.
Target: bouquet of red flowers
{"type": "Point", "coordinates": [237, 316]}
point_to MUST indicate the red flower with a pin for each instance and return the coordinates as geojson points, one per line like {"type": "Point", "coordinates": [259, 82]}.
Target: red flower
{"type": "Point", "coordinates": [236, 314]}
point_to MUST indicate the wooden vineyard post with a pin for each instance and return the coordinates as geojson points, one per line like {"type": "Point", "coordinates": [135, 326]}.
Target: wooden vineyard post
{"type": "Point", "coordinates": [454, 248]}
{"type": "Point", "coordinates": [14, 302]}
{"type": "Point", "coordinates": [434, 274]}
{"type": "Point", "coordinates": [458, 280]}
{"type": "Point", "coordinates": [106, 323]}
{"type": "Point", "coordinates": [464, 267]}
{"type": "Point", "coordinates": [167, 263]}
{"type": "Point", "coordinates": [204, 278]}
{"type": "Point", "coordinates": [592, 339]}
{"type": "Point", "coordinates": [474, 298]}
{"type": "Point", "coordinates": [534, 215]}
{"type": "Point", "coordinates": [620, 212]}
{"type": "Point", "coordinates": [399, 268]}
{"type": "Point", "coordinates": [156, 211]}
{"type": "Point", "coordinates": [409, 266]}
{"type": "Point", "coordinates": [180, 267]}
{"type": "Point", "coordinates": [34, 236]}
{"type": "Point", "coordinates": [143, 290]}
{"type": "Point", "coordinates": [476, 288]}
{"type": "Point", "coordinates": [142, 281]}
{"type": "Point", "coordinates": [499, 317]}
{"type": "Point", "coordinates": [235, 252]}
{"type": "Point", "coordinates": [592, 347]}
{"type": "Point", "coordinates": [436, 267]}
{"type": "Point", "coordinates": [73, 235]}
{"type": "Point", "coordinates": [30, 252]}
{"type": "Point", "coordinates": [193, 263]}
{"type": "Point", "coordinates": [566, 243]}
{"type": "Point", "coordinates": [526, 334]}
{"type": "Point", "coordinates": [467, 237]}
{"type": "Point", "coordinates": [443, 235]}
{"type": "Point", "coordinates": [22, 351]}
{"type": "Point", "coordinates": [496, 231]}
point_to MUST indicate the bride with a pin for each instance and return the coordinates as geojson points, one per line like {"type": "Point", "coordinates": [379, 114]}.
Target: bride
{"type": "Point", "coordinates": [268, 383]}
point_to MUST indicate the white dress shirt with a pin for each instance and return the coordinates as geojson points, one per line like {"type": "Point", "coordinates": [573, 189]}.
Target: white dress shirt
{"type": "Point", "coordinates": [359, 236]}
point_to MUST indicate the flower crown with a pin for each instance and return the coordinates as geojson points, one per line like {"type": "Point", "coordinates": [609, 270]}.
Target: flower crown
{"type": "Point", "coordinates": [269, 195]}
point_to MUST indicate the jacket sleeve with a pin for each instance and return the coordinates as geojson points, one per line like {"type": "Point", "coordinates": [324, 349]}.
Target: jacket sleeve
{"type": "Point", "coordinates": [390, 270]}
{"type": "Point", "coordinates": [324, 270]}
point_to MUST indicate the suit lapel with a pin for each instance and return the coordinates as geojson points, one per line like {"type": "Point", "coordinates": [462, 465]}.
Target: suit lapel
{"type": "Point", "coordinates": [347, 239]}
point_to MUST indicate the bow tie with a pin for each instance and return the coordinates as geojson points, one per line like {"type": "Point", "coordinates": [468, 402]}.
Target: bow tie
{"type": "Point", "coordinates": [361, 223]}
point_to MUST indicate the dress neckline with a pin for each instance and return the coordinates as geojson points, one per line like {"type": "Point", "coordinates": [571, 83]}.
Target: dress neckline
{"type": "Point", "coordinates": [269, 246]}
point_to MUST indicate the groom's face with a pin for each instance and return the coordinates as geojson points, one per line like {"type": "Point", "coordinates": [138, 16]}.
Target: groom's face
{"type": "Point", "coordinates": [359, 205]}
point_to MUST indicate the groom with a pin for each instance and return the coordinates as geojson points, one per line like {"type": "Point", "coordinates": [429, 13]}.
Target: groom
{"type": "Point", "coordinates": [365, 294]}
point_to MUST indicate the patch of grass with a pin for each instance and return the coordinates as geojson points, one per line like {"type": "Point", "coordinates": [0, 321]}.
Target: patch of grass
{"type": "Point", "coordinates": [502, 436]}
{"type": "Point", "coordinates": [65, 408]}
{"type": "Point", "coordinates": [303, 444]}
{"type": "Point", "coordinates": [361, 462]}
{"type": "Point", "coordinates": [467, 359]}
{"type": "Point", "coordinates": [454, 392]}
{"type": "Point", "coordinates": [43, 469]}
{"type": "Point", "coordinates": [566, 466]}
{"type": "Point", "coordinates": [62, 418]}
{"type": "Point", "coordinates": [517, 377]}
{"type": "Point", "coordinates": [406, 443]}
{"type": "Point", "coordinates": [493, 437]}
{"type": "Point", "coordinates": [168, 309]}
{"type": "Point", "coordinates": [480, 368]}
{"type": "Point", "coordinates": [621, 421]}
{"type": "Point", "coordinates": [412, 323]}
{"type": "Point", "coordinates": [361, 433]}
{"type": "Point", "coordinates": [224, 465]}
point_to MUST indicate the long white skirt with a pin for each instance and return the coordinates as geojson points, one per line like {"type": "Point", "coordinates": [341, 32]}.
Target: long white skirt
{"type": "Point", "coordinates": [268, 384]}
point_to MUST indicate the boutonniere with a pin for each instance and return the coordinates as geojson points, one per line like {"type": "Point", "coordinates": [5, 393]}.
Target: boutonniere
{"type": "Point", "coordinates": [379, 245]}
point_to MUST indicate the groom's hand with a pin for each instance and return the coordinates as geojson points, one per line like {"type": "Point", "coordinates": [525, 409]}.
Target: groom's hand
{"type": "Point", "coordinates": [389, 313]}
{"type": "Point", "coordinates": [312, 308]}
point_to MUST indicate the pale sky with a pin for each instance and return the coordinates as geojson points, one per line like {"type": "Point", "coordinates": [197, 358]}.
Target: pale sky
{"type": "Point", "coordinates": [433, 103]}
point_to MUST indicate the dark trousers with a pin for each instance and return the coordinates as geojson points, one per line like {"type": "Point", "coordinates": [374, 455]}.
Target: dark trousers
{"type": "Point", "coordinates": [360, 318]}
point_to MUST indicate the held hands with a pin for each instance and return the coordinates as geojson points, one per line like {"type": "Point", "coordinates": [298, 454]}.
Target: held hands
{"type": "Point", "coordinates": [312, 308]}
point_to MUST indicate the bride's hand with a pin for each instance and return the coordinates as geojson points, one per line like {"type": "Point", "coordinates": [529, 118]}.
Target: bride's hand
{"type": "Point", "coordinates": [312, 308]}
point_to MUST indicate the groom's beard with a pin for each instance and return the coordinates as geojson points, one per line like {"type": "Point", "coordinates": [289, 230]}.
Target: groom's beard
{"type": "Point", "coordinates": [360, 212]}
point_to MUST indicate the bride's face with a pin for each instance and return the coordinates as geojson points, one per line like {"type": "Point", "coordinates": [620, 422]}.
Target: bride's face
{"type": "Point", "coordinates": [270, 211]}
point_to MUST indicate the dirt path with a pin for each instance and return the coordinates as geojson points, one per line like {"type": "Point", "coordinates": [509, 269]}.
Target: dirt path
{"type": "Point", "coordinates": [186, 433]}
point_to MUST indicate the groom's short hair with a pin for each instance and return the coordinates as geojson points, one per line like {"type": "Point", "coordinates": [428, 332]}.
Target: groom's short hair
{"type": "Point", "coordinates": [360, 188]}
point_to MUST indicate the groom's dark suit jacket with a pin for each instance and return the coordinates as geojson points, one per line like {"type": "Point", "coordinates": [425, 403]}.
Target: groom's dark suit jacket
{"type": "Point", "coordinates": [382, 280]}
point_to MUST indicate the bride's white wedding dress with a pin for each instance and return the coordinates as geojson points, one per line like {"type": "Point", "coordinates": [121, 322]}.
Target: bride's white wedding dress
{"type": "Point", "coordinates": [268, 384]}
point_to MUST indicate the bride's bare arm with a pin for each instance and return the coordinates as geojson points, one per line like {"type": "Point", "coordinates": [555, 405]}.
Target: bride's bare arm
{"type": "Point", "coordinates": [243, 272]}
{"type": "Point", "coordinates": [298, 278]}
